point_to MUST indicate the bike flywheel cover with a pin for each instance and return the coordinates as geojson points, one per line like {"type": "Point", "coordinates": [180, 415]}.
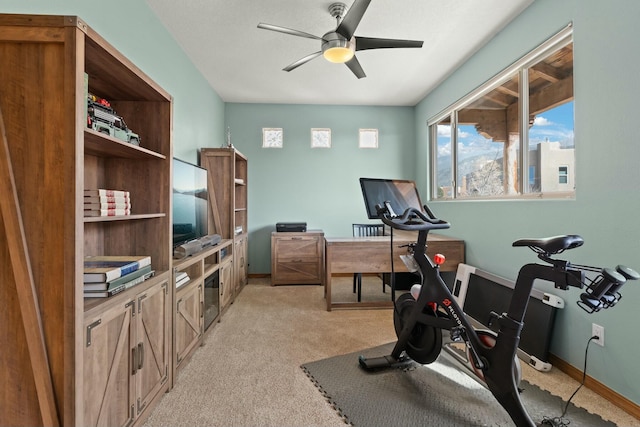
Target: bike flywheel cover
{"type": "Point", "coordinates": [425, 342]}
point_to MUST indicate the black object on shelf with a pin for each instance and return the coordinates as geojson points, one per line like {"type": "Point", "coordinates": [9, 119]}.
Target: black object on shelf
{"type": "Point", "coordinates": [291, 227]}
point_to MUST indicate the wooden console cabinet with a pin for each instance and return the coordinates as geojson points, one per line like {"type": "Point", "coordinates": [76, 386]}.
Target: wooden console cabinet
{"type": "Point", "coordinates": [191, 312]}
{"type": "Point", "coordinates": [297, 257]}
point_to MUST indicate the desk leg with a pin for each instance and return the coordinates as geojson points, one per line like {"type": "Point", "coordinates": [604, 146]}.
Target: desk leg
{"type": "Point", "coordinates": [327, 277]}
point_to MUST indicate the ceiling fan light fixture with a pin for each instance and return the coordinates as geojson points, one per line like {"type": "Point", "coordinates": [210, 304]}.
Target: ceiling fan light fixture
{"type": "Point", "coordinates": [338, 50]}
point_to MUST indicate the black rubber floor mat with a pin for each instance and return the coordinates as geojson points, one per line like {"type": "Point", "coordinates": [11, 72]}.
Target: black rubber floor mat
{"type": "Point", "coordinates": [439, 394]}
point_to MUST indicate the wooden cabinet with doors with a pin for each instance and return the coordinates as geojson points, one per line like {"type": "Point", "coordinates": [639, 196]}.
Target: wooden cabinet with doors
{"type": "Point", "coordinates": [199, 301]}
{"type": "Point", "coordinates": [297, 257]}
{"type": "Point", "coordinates": [227, 286]}
{"type": "Point", "coordinates": [126, 355]}
{"type": "Point", "coordinates": [50, 156]}
{"type": "Point", "coordinates": [189, 325]}
{"type": "Point", "coordinates": [240, 265]}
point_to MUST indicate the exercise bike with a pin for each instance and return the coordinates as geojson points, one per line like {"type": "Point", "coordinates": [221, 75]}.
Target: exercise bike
{"type": "Point", "coordinates": [421, 316]}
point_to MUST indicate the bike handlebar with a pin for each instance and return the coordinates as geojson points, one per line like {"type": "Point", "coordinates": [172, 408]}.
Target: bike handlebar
{"type": "Point", "coordinates": [412, 219]}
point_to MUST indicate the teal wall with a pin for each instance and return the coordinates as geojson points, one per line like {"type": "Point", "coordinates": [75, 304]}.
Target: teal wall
{"type": "Point", "coordinates": [317, 185]}
{"type": "Point", "coordinates": [606, 207]}
{"type": "Point", "coordinates": [320, 186]}
{"type": "Point", "coordinates": [133, 29]}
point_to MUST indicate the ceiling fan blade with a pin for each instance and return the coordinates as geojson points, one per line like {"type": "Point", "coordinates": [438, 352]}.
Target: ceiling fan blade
{"type": "Point", "coordinates": [355, 67]}
{"type": "Point", "coordinates": [287, 31]}
{"type": "Point", "coordinates": [364, 43]}
{"type": "Point", "coordinates": [302, 61]}
{"type": "Point", "coordinates": [351, 20]}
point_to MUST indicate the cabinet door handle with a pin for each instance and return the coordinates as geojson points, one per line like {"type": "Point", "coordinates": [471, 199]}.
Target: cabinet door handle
{"type": "Point", "coordinates": [140, 355]}
{"type": "Point", "coordinates": [134, 364]}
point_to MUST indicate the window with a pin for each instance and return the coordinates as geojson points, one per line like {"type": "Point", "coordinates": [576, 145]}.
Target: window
{"type": "Point", "coordinates": [271, 137]}
{"type": "Point", "coordinates": [511, 136]}
{"type": "Point", "coordinates": [563, 175]}
{"type": "Point", "coordinates": [368, 138]}
{"type": "Point", "coordinates": [320, 138]}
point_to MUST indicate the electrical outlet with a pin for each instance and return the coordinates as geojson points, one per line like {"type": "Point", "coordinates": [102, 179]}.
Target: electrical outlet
{"type": "Point", "coordinates": [598, 331]}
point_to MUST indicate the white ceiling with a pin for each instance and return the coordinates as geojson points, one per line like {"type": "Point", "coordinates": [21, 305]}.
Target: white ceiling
{"type": "Point", "coordinates": [244, 63]}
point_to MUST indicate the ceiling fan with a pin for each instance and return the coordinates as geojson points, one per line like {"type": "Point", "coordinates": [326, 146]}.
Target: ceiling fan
{"type": "Point", "coordinates": [340, 45]}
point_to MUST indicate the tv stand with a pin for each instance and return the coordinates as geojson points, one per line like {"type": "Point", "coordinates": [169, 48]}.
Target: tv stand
{"type": "Point", "coordinates": [192, 298]}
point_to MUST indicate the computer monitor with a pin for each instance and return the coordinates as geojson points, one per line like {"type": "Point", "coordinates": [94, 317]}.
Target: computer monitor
{"type": "Point", "coordinates": [400, 193]}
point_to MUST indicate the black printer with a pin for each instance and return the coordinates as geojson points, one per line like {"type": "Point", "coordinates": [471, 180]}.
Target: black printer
{"type": "Point", "coordinates": [291, 227]}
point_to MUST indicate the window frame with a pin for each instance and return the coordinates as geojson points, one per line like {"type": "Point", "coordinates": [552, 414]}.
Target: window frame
{"type": "Point", "coordinates": [520, 68]}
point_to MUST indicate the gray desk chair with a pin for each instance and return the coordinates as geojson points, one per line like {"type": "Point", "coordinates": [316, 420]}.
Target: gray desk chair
{"type": "Point", "coordinates": [364, 230]}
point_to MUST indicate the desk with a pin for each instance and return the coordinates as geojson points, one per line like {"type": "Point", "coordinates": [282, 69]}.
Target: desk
{"type": "Point", "coordinates": [371, 255]}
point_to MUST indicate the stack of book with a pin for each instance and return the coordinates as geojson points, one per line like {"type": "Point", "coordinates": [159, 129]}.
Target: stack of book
{"type": "Point", "coordinates": [105, 276]}
{"type": "Point", "coordinates": [181, 278]}
{"type": "Point", "coordinates": [104, 202]}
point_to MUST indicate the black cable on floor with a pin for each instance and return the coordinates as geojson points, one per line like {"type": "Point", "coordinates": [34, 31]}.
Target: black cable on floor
{"type": "Point", "coordinates": [561, 421]}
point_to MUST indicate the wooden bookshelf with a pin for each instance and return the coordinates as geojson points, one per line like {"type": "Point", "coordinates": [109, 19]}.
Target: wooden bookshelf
{"type": "Point", "coordinates": [227, 187]}
{"type": "Point", "coordinates": [108, 359]}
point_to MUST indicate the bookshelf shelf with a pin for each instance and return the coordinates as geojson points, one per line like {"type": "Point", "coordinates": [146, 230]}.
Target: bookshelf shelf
{"type": "Point", "coordinates": [122, 217]}
{"type": "Point", "coordinates": [101, 145]}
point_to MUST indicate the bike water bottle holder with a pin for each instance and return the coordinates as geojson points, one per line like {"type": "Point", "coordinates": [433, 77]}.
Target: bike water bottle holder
{"type": "Point", "coordinates": [603, 291]}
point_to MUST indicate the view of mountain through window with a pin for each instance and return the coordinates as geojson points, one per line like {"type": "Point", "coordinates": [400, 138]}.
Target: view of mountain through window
{"type": "Point", "coordinates": [478, 145]}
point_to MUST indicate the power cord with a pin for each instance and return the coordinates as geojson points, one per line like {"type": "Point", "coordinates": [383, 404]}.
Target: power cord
{"type": "Point", "coordinates": [561, 421]}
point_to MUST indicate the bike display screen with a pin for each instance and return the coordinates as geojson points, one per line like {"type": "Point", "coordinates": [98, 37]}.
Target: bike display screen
{"type": "Point", "coordinates": [401, 194]}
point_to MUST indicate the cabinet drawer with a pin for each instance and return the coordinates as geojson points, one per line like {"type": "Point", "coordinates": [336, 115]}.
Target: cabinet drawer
{"type": "Point", "coordinates": [300, 247]}
{"type": "Point", "coordinates": [297, 272]}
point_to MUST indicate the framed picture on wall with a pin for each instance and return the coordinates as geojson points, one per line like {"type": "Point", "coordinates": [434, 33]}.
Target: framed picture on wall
{"type": "Point", "coordinates": [368, 138]}
{"type": "Point", "coordinates": [320, 138]}
{"type": "Point", "coordinates": [272, 138]}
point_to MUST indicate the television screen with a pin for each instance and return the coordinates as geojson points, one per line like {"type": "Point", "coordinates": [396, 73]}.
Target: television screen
{"type": "Point", "coordinates": [401, 194]}
{"type": "Point", "coordinates": [190, 199]}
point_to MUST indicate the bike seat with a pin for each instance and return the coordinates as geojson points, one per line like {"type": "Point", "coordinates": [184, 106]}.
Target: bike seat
{"type": "Point", "coordinates": [551, 245]}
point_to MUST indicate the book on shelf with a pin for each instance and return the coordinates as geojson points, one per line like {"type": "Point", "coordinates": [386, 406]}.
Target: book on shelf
{"type": "Point", "coordinates": [182, 278]}
{"type": "Point", "coordinates": [103, 192]}
{"type": "Point", "coordinates": [107, 286]}
{"type": "Point", "coordinates": [106, 199]}
{"type": "Point", "coordinates": [107, 212]}
{"type": "Point", "coordinates": [120, 288]}
{"type": "Point", "coordinates": [107, 205]}
{"type": "Point", "coordinates": [105, 268]}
